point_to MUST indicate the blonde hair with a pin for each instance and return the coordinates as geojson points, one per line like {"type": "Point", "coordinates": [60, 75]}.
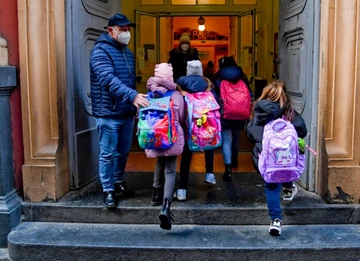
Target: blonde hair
{"type": "Point", "coordinates": [276, 92]}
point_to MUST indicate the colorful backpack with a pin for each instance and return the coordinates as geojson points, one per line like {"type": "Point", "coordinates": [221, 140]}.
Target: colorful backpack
{"type": "Point", "coordinates": [280, 160]}
{"type": "Point", "coordinates": [156, 127]}
{"type": "Point", "coordinates": [236, 100]}
{"type": "Point", "coordinates": [203, 121]}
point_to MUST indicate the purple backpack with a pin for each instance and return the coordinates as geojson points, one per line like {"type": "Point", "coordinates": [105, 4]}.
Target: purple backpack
{"type": "Point", "coordinates": [280, 160]}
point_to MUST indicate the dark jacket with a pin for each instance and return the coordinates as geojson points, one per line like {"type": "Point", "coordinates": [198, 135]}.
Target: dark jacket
{"type": "Point", "coordinates": [264, 112]}
{"type": "Point", "coordinates": [179, 61]}
{"type": "Point", "coordinates": [112, 76]}
{"type": "Point", "coordinates": [232, 74]}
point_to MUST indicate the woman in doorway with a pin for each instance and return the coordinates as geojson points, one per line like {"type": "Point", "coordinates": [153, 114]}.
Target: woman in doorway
{"type": "Point", "coordinates": [181, 55]}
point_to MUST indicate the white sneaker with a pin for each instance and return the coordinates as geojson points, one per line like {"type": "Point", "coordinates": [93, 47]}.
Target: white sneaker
{"type": "Point", "coordinates": [210, 178]}
{"type": "Point", "coordinates": [289, 193]}
{"type": "Point", "coordinates": [275, 227]}
{"type": "Point", "coordinates": [180, 194]}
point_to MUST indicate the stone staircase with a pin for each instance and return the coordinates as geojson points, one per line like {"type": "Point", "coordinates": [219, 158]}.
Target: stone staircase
{"type": "Point", "coordinates": [228, 221]}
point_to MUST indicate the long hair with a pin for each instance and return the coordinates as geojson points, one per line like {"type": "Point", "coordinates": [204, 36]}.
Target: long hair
{"type": "Point", "coordinates": [276, 92]}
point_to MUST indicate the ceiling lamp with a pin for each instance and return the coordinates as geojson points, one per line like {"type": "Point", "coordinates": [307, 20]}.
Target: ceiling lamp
{"type": "Point", "coordinates": [201, 22]}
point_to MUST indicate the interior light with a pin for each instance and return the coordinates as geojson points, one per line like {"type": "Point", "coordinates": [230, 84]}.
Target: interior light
{"type": "Point", "coordinates": [201, 23]}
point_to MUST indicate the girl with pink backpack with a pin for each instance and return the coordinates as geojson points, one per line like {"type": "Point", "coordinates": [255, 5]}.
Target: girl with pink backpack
{"type": "Point", "coordinates": [273, 104]}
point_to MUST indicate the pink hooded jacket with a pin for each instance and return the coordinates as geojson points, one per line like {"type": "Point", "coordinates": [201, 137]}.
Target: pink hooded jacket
{"type": "Point", "coordinates": [162, 83]}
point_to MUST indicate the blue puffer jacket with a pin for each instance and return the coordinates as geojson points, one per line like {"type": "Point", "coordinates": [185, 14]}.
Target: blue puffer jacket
{"type": "Point", "coordinates": [112, 72]}
{"type": "Point", "coordinates": [232, 74]}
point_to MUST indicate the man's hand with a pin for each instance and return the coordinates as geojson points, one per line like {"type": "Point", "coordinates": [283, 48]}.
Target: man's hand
{"type": "Point", "coordinates": [141, 101]}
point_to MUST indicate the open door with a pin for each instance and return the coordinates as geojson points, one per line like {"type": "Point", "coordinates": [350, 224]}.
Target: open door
{"type": "Point", "coordinates": [247, 52]}
{"type": "Point", "coordinates": [299, 66]}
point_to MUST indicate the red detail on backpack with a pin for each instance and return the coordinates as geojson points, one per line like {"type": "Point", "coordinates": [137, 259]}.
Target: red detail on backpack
{"type": "Point", "coordinates": [280, 160]}
{"type": "Point", "coordinates": [236, 100]}
{"type": "Point", "coordinates": [203, 121]}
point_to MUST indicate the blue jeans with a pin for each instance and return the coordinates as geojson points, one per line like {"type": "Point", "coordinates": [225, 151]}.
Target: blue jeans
{"type": "Point", "coordinates": [272, 192]}
{"type": "Point", "coordinates": [230, 139]}
{"type": "Point", "coordinates": [115, 139]}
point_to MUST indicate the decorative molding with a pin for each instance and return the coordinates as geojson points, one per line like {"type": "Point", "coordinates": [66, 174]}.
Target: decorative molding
{"type": "Point", "coordinates": [294, 44]}
{"type": "Point", "coordinates": [342, 76]}
{"type": "Point", "coordinates": [101, 8]}
{"type": "Point", "coordinates": [292, 7]}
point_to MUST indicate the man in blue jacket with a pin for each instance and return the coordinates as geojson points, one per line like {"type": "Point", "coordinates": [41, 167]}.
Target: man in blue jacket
{"type": "Point", "coordinates": [114, 103]}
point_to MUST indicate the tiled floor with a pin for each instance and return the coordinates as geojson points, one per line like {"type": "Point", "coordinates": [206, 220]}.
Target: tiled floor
{"type": "Point", "coordinates": [139, 162]}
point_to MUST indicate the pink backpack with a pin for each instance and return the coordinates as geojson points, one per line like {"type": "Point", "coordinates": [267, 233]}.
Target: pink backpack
{"type": "Point", "coordinates": [280, 160]}
{"type": "Point", "coordinates": [203, 121]}
{"type": "Point", "coordinates": [236, 100]}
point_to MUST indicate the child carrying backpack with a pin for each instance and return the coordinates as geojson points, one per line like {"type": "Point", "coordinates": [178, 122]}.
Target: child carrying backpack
{"type": "Point", "coordinates": [276, 153]}
{"type": "Point", "coordinates": [235, 98]}
{"type": "Point", "coordinates": [161, 133]}
{"type": "Point", "coordinates": [203, 125]}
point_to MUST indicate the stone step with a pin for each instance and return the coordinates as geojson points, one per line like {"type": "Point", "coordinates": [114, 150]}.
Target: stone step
{"type": "Point", "coordinates": [240, 202]}
{"type": "Point", "coordinates": [79, 241]}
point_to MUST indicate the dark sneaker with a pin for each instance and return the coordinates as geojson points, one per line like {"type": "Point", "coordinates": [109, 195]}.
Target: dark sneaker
{"type": "Point", "coordinates": [109, 200]}
{"type": "Point", "coordinates": [289, 193]}
{"type": "Point", "coordinates": [121, 188]}
{"type": "Point", "coordinates": [275, 227]}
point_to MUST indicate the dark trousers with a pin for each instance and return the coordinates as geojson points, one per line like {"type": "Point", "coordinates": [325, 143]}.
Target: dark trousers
{"type": "Point", "coordinates": [186, 161]}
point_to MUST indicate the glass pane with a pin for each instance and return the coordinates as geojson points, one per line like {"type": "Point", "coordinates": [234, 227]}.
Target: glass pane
{"type": "Point", "coordinates": [152, 2]}
{"type": "Point", "coordinates": [145, 49]}
{"type": "Point", "coordinates": [183, 2]}
{"type": "Point", "coordinates": [246, 44]}
{"type": "Point", "coordinates": [244, 2]}
{"type": "Point", "coordinates": [211, 2]}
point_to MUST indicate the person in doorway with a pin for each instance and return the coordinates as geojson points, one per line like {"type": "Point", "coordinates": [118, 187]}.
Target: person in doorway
{"type": "Point", "coordinates": [273, 103]}
{"type": "Point", "coordinates": [231, 72]}
{"type": "Point", "coordinates": [161, 83]}
{"type": "Point", "coordinates": [114, 104]}
{"type": "Point", "coordinates": [209, 70]}
{"type": "Point", "coordinates": [180, 55]}
{"type": "Point", "coordinates": [192, 83]}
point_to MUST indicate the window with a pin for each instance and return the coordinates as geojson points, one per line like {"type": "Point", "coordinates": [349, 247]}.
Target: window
{"type": "Point", "coordinates": [244, 2]}
{"type": "Point", "coordinates": [152, 2]}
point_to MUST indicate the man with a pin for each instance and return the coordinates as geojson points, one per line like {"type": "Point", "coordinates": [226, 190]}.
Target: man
{"type": "Point", "coordinates": [114, 104]}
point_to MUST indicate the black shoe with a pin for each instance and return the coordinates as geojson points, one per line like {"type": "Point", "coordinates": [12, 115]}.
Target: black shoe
{"type": "Point", "coordinates": [157, 196]}
{"type": "Point", "coordinates": [121, 188]}
{"type": "Point", "coordinates": [228, 173]}
{"type": "Point", "coordinates": [109, 200]}
{"type": "Point", "coordinates": [165, 215]}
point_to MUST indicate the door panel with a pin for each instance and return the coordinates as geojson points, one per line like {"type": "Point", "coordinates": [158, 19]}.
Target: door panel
{"type": "Point", "coordinates": [85, 21]}
{"type": "Point", "coordinates": [298, 66]}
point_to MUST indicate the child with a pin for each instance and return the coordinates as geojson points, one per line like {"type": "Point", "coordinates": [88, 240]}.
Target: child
{"type": "Point", "coordinates": [166, 158]}
{"type": "Point", "coordinates": [231, 72]}
{"type": "Point", "coordinates": [194, 82]}
{"type": "Point", "coordinates": [273, 104]}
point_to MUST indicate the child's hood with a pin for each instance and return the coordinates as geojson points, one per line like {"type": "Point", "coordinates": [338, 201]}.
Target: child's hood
{"type": "Point", "coordinates": [193, 83]}
{"type": "Point", "coordinates": [266, 111]}
{"type": "Point", "coordinates": [160, 84]}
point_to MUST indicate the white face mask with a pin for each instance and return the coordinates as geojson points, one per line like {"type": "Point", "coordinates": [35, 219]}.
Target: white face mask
{"type": "Point", "coordinates": [124, 37]}
{"type": "Point", "coordinates": [184, 47]}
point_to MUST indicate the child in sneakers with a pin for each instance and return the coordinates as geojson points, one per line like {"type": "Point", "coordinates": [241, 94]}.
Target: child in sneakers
{"type": "Point", "coordinates": [166, 158]}
{"type": "Point", "coordinates": [273, 103]}
{"type": "Point", "coordinates": [194, 82]}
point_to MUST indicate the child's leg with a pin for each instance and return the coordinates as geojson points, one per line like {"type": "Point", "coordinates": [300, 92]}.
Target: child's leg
{"type": "Point", "coordinates": [185, 167]}
{"type": "Point", "coordinates": [209, 161]}
{"type": "Point", "coordinates": [170, 176]}
{"type": "Point", "coordinates": [272, 191]}
{"type": "Point", "coordinates": [226, 145]}
{"type": "Point", "coordinates": [159, 172]}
